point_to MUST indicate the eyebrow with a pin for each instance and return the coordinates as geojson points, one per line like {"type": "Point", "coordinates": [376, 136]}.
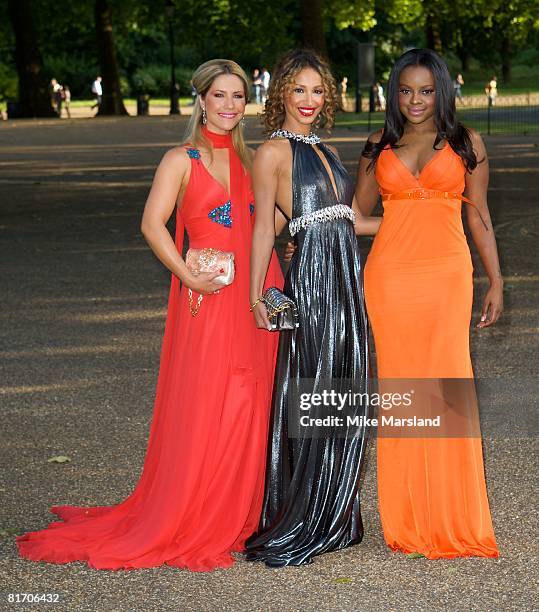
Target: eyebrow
{"type": "Point", "coordinates": [306, 86]}
{"type": "Point", "coordinates": [224, 91]}
{"type": "Point", "coordinates": [410, 87]}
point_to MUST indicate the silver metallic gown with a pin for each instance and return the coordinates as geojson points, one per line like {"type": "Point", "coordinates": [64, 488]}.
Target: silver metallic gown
{"type": "Point", "coordinates": [311, 504]}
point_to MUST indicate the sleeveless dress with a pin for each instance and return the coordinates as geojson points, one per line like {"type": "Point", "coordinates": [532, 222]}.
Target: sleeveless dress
{"type": "Point", "coordinates": [201, 489]}
{"type": "Point", "coordinates": [418, 288]}
{"type": "Point", "coordinates": [312, 504]}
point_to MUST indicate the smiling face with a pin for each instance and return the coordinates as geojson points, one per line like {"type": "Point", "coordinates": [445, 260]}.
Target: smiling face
{"type": "Point", "coordinates": [303, 100]}
{"type": "Point", "coordinates": [225, 103]}
{"type": "Point", "coordinates": [417, 94]}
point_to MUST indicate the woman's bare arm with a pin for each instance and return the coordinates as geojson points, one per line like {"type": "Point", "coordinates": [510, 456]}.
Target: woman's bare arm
{"type": "Point", "coordinates": [483, 237]}
{"type": "Point", "coordinates": [367, 190]}
{"type": "Point", "coordinates": [265, 183]}
{"type": "Point", "coordinates": [170, 178]}
{"type": "Point", "coordinates": [365, 225]}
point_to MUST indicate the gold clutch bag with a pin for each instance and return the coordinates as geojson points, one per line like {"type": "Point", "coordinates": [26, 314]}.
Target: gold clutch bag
{"type": "Point", "coordinates": [209, 260]}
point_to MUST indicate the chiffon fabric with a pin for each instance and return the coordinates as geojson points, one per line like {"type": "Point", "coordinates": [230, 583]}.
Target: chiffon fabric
{"type": "Point", "coordinates": [418, 288]}
{"type": "Point", "coordinates": [312, 502]}
{"type": "Point", "coordinates": [200, 493]}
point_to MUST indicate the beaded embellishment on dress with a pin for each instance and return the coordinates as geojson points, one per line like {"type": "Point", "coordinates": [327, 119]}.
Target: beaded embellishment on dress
{"type": "Point", "coordinates": [251, 208]}
{"type": "Point", "coordinates": [309, 139]}
{"type": "Point", "coordinates": [193, 153]}
{"type": "Point", "coordinates": [221, 214]}
{"type": "Point", "coordinates": [330, 213]}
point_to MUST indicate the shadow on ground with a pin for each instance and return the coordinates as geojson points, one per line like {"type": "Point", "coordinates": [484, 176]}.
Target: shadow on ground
{"type": "Point", "coordinates": [83, 307]}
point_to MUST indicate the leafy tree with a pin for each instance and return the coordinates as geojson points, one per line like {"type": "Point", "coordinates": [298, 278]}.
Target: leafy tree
{"type": "Point", "coordinates": [511, 23]}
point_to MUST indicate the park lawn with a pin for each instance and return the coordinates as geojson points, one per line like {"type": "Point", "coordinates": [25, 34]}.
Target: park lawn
{"type": "Point", "coordinates": [361, 122]}
{"type": "Point", "coordinates": [184, 101]}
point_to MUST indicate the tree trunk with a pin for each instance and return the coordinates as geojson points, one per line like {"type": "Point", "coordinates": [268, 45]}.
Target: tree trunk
{"type": "Point", "coordinates": [506, 52]}
{"type": "Point", "coordinates": [432, 30]}
{"type": "Point", "coordinates": [112, 103]}
{"type": "Point", "coordinates": [464, 58]}
{"type": "Point", "coordinates": [34, 96]}
{"type": "Point", "coordinates": [312, 26]}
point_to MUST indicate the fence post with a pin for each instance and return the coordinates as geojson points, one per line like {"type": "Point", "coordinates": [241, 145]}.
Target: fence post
{"type": "Point", "coordinates": [488, 114]}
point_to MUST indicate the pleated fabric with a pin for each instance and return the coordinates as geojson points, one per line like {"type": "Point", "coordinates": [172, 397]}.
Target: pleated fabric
{"type": "Point", "coordinates": [312, 502]}
{"type": "Point", "coordinates": [200, 493]}
{"type": "Point", "coordinates": [419, 291]}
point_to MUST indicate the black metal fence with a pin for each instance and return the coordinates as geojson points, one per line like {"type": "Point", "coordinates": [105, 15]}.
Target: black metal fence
{"type": "Point", "coordinates": [508, 115]}
{"type": "Point", "coordinates": [518, 114]}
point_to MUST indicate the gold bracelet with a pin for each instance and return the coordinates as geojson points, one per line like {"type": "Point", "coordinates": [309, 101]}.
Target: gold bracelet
{"type": "Point", "coordinates": [255, 303]}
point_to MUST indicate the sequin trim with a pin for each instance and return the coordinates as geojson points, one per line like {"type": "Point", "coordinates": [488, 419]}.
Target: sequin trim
{"type": "Point", "coordinates": [221, 214]}
{"type": "Point", "coordinates": [251, 208]}
{"type": "Point", "coordinates": [330, 213]}
{"type": "Point", "coordinates": [193, 153]}
{"type": "Point", "coordinates": [309, 139]}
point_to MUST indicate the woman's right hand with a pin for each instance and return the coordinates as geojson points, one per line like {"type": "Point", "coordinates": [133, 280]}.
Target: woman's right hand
{"type": "Point", "coordinates": [204, 282]}
{"type": "Point", "coordinates": [261, 316]}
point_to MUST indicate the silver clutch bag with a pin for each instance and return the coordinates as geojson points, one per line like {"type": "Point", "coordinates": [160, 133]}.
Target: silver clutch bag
{"type": "Point", "coordinates": [209, 260]}
{"type": "Point", "coordinates": [282, 311]}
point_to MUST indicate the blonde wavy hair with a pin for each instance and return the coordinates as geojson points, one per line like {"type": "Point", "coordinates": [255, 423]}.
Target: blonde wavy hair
{"type": "Point", "coordinates": [282, 80]}
{"type": "Point", "coordinates": [202, 80]}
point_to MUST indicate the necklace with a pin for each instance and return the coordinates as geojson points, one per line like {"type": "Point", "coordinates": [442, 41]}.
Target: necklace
{"type": "Point", "coordinates": [310, 139]}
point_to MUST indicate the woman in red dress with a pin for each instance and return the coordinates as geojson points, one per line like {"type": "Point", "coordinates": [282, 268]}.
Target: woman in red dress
{"type": "Point", "coordinates": [200, 493]}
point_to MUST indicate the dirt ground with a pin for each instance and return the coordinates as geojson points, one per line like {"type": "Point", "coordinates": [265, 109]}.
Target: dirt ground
{"type": "Point", "coordinates": [83, 305]}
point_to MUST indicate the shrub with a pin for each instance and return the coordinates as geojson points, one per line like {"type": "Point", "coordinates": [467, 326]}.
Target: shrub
{"type": "Point", "coordinates": [8, 83]}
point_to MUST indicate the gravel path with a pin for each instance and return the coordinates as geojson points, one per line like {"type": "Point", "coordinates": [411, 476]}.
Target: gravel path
{"type": "Point", "coordinates": [83, 306]}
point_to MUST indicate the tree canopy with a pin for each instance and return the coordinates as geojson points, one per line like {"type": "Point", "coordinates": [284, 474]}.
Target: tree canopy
{"type": "Point", "coordinates": [66, 36]}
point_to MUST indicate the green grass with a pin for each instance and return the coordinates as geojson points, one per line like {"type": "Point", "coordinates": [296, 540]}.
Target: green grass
{"type": "Point", "coordinates": [157, 101]}
{"type": "Point", "coordinates": [360, 122]}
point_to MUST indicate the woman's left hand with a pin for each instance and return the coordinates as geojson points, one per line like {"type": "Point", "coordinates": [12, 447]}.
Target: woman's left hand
{"type": "Point", "coordinates": [492, 306]}
{"type": "Point", "coordinates": [289, 251]}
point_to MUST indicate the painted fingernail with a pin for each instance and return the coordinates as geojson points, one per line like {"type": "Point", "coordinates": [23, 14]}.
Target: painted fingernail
{"type": "Point", "coordinates": [483, 317]}
{"type": "Point", "coordinates": [222, 270]}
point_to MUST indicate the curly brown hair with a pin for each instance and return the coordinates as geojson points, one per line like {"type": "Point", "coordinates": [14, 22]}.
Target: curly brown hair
{"type": "Point", "coordinates": [283, 77]}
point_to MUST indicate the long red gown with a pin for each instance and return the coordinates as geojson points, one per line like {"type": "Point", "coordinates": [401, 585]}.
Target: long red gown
{"type": "Point", "coordinates": [201, 489]}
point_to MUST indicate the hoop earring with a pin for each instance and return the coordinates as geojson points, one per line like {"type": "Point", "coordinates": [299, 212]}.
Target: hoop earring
{"type": "Point", "coordinates": [204, 117]}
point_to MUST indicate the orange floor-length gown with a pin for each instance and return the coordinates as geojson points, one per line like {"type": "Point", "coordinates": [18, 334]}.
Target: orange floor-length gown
{"type": "Point", "coordinates": [419, 289]}
{"type": "Point", "coordinates": [201, 490]}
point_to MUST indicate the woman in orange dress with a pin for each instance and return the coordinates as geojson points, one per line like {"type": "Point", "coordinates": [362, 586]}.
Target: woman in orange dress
{"type": "Point", "coordinates": [419, 289]}
{"type": "Point", "coordinates": [201, 490]}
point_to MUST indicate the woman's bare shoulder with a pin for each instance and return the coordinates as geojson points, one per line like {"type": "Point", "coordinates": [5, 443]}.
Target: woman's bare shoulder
{"type": "Point", "coordinates": [376, 136]}
{"type": "Point", "coordinates": [273, 152]}
{"type": "Point", "coordinates": [177, 156]}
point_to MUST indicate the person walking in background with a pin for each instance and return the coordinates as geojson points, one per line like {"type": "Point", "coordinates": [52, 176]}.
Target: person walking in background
{"type": "Point", "coordinates": [66, 97]}
{"type": "Point", "coordinates": [56, 96]}
{"type": "Point", "coordinates": [257, 84]}
{"type": "Point", "coordinates": [97, 91]}
{"type": "Point", "coordinates": [492, 90]}
{"type": "Point", "coordinates": [266, 78]}
{"type": "Point", "coordinates": [457, 86]}
{"type": "Point", "coordinates": [380, 98]}
{"type": "Point", "coordinates": [343, 88]}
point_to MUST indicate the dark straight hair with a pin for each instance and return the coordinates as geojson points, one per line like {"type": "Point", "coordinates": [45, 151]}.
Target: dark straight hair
{"type": "Point", "coordinates": [445, 115]}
